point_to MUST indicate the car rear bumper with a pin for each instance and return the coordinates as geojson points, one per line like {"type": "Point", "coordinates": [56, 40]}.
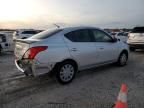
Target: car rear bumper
{"type": "Point", "coordinates": [33, 67]}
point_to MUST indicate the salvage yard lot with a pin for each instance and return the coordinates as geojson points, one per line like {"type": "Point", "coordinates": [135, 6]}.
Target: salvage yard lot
{"type": "Point", "coordinates": [95, 88]}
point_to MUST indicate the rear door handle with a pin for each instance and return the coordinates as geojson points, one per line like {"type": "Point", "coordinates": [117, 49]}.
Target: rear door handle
{"type": "Point", "coordinates": [73, 49]}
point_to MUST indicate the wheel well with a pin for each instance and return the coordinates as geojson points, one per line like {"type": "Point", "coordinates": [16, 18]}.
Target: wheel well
{"type": "Point", "coordinates": [73, 61]}
{"type": "Point", "coordinates": [125, 51]}
{"type": "Point", "coordinates": [68, 60]}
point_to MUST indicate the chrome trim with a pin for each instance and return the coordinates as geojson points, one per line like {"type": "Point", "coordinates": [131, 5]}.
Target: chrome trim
{"type": "Point", "coordinates": [18, 67]}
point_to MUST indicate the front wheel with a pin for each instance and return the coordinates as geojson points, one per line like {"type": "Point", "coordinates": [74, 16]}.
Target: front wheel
{"type": "Point", "coordinates": [65, 72]}
{"type": "Point", "coordinates": [122, 60]}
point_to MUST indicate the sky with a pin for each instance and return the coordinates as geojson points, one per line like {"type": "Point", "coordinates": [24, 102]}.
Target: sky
{"type": "Point", "coordinates": [42, 14]}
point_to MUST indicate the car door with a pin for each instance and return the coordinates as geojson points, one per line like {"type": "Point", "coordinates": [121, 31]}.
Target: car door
{"type": "Point", "coordinates": [82, 47]}
{"type": "Point", "coordinates": [106, 48]}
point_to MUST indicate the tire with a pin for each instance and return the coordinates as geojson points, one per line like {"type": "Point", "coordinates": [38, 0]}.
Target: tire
{"type": "Point", "coordinates": [132, 49]}
{"type": "Point", "coordinates": [122, 60]}
{"type": "Point", "coordinates": [65, 72]}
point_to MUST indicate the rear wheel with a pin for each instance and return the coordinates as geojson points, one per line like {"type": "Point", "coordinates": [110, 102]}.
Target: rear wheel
{"type": "Point", "coordinates": [65, 72]}
{"type": "Point", "coordinates": [122, 60]}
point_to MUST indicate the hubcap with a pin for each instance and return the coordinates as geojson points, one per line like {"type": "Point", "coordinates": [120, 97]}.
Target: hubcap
{"type": "Point", "coordinates": [123, 59]}
{"type": "Point", "coordinates": [67, 72]}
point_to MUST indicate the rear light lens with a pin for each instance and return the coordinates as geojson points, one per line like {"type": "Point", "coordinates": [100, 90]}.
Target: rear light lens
{"type": "Point", "coordinates": [32, 52]}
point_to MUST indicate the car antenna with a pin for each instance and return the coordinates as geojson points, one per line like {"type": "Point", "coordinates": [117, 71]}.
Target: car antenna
{"type": "Point", "coordinates": [56, 25]}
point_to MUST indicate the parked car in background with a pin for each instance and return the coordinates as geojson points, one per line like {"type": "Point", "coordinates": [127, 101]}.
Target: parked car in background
{"type": "Point", "coordinates": [24, 33]}
{"type": "Point", "coordinates": [4, 45]}
{"type": "Point", "coordinates": [65, 51]}
{"type": "Point", "coordinates": [120, 35]}
{"type": "Point", "coordinates": [136, 38]}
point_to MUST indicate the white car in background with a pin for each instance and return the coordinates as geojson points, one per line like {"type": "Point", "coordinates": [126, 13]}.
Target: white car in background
{"type": "Point", "coordinates": [120, 35]}
{"type": "Point", "coordinates": [4, 45]}
{"type": "Point", "coordinates": [136, 38]}
{"type": "Point", "coordinates": [65, 51]}
{"type": "Point", "coordinates": [24, 33]}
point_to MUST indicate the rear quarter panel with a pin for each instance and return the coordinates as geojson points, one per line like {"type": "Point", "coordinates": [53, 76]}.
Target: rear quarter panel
{"type": "Point", "coordinates": [57, 50]}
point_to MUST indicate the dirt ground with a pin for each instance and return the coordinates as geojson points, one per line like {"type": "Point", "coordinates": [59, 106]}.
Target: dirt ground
{"type": "Point", "coordinates": [95, 88]}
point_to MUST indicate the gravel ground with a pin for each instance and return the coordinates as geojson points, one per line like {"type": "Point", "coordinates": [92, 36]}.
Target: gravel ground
{"type": "Point", "coordinates": [95, 88]}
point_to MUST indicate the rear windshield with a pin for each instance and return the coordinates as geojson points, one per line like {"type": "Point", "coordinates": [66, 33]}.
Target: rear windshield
{"type": "Point", "coordinates": [46, 34]}
{"type": "Point", "coordinates": [138, 30]}
{"type": "Point", "coordinates": [29, 32]}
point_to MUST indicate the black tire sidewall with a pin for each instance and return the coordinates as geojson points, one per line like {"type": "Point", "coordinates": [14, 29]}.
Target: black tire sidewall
{"type": "Point", "coordinates": [119, 60]}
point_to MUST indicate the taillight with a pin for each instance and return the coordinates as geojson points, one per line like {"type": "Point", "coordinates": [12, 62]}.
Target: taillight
{"type": "Point", "coordinates": [32, 52]}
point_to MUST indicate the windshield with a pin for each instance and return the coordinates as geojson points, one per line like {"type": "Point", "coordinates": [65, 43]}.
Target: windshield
{"type": "Point", "coordinates": [138, 30]}
{"type": "Point", "coordinates": [45, 34]}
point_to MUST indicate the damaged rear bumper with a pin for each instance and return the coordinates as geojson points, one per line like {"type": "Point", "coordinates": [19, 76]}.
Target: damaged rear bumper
{"type": "Point", "coordinates": [33, 67]}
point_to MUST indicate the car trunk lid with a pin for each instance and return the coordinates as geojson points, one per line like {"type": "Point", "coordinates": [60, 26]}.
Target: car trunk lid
{"type": "Point", "coordinates": [21, 46]}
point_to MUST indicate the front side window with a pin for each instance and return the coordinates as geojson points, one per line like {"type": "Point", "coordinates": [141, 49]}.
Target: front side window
{"type": "Point", "coordinates": [80, 36]}
{"type": "Point", "coordinates": [101, 36]}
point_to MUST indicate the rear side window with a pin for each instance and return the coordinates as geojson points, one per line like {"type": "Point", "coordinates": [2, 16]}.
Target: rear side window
{"type": "Point", "coordinates": [82, 35]}
{"type": "Point", "coordinates": [138, 30]}
{"type": "Point", "coordinates": [46, 34]}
